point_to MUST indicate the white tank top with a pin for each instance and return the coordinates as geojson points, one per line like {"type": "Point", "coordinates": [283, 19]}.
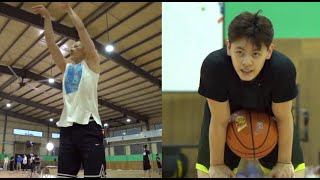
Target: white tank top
{"type": "Point", "coordinates": [80, 97]}
{"type": "Point", "coordinates": [25, 160]}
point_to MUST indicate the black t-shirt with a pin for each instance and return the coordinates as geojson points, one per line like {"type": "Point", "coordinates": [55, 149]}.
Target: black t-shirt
{"type": "Point", "coordinates": [145, 155]}
{"type": "Point", "coordinates": [275, 83]}
{"type": "Point", "coordinates": [37, 160]}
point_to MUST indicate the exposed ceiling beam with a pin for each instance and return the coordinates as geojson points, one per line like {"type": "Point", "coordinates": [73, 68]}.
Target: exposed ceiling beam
{"type": "Point", "coordinates": [110, 121]}
{"type": "Point", "coordinates": [104, 8]}
{"type": "Point", "coordinates": [122, 110]}
{"type": "Point", "coordinates": [57, 85]}
{"type": "Point", "coordinates": [27, 118]}
{"type": "Point", "coordinates": [71, 33]}
{"type": "Point", "coordinates": [20, 35]}
{"type": "Point", "coordinates": [44, 54]}
{"type": "Point", "coordinates": [31, 19]}
{"type": "Point", "coordinates": [138, 29]}
{"type": "Point", "coordinates": [120, 122]}
{"type": "Point", "coordinates": [29, 75]}
{"type": "Point", "coordinates": [141, 42]}
{"type": "Point", "coordinates": [123, 19]}
{"type": "Point", "coordinates": [29, 103]}
{"type": "Point", "coordinates": [112, 127]}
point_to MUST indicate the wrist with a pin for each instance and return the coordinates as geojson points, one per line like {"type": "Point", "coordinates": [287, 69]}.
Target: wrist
{"type": "Point", "coordinates": [46, 15]}
{"type": "Point", "coordinates": [284, 162]}
{"type": "Point", "coordinates": [216, 164]}
{"type": "Point", "coordinates": [69, 10]}
{"type": "Point", "coordinates": [214, 161]}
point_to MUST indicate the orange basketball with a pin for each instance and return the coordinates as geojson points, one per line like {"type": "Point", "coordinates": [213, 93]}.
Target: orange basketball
{"type": "Point", "coordinates": [251, 135]}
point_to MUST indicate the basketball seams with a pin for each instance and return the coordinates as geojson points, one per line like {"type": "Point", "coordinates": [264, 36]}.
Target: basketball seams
{"type": "Point", "coordinates": [252, 136]}
{"type": "Point", "coordinates": [265, 139]}
{"type": "Point", "coordinates": [268, 149]}
{"type": "Point", "coordinates": [238, 142]}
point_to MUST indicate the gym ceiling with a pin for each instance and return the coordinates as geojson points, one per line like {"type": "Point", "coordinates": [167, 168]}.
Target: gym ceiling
{"type": "Point", "coordinates": [130, 78]}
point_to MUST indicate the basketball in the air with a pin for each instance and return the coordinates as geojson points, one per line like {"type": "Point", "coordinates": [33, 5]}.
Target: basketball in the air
{"type": "Point", "coordinates": [251, 134]}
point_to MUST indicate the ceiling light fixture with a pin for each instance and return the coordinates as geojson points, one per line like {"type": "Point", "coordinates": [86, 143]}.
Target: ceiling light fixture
{"type": "Point", "coordinates": [109, 48]}
{"type": "Point", "coordinates": [51, 80]}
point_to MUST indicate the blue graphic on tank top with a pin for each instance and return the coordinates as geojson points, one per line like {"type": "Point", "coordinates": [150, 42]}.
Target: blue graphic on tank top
{"type": "Point", "coordinates": [73, 77]}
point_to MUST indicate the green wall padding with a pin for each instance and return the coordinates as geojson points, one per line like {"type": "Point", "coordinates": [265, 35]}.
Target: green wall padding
{"type": "Point", "coordinates": [136, 157]}
{"type": "Point", "coordinates": [2, 156]}
{"type": "Point", "coordinates": [289, 19]}
{"type": "Point", "coordinates": [48, 158]}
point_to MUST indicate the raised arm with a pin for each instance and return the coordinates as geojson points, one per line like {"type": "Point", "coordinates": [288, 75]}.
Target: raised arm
{"type": "Point", "coordinates": [91, 54]}
{"type": "Point", "coordinates": [49, 35]}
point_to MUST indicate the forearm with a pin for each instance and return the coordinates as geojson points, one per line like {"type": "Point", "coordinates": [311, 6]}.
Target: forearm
{"type": "Point", "coordinates": [77, 22]}
{"type": "Point", "coordinates": [52, 46]}
{"type": "Point", "coordinates": [85, 38]}
{"type": "Point", "coordinates": [217, 139]}
{"type": "Point", "coordinates": [48, 30]}
{"type": "Point", "coordinates": [285, 131]}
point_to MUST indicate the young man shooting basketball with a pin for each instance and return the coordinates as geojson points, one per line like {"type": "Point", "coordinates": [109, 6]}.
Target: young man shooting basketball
{"type": "Point", "coordinates": [81, 138]}
{"type": "Point", "coordinates": [248, 74]}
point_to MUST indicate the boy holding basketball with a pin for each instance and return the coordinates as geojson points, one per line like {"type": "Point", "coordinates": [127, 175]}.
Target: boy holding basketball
{"type": "Point", "coordinates": [248, 74]}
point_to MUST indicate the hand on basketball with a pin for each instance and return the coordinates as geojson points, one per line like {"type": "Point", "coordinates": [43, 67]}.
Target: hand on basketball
{"type": "Point", "coordinates": [220, 171]}
{"type": "Point", "coordinates": [282, 171]}
{"type": "Point", "coordinates": [40, 9]}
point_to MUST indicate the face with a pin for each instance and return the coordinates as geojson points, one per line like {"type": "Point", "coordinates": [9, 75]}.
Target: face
{"type": "Point", "coordinates": [76, 52]}
{"type": "Point", "coordinates": [247, 59]}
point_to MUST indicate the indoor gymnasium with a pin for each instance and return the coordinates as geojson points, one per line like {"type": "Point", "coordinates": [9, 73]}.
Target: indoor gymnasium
{"type": "Point", "coordinates": [249, 134]}
{"type": "Point", "coordinates": [127, 41]}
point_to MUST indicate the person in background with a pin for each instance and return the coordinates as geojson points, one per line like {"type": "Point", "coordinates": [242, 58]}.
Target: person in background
{"type": "Point", "coordinates": [12, 163]}
{"type": "Point", "coordinates": [32, 165]}
{"type": "Point", "coordinates": [24, 163]}
{"type": "Point", "coordinates": [5, 162]}
{"type": "Point", "coordinates": [37, 164]}
{"type": "Point", "coordinates": [146, 161]}
{"type": "Point", "coordinates": [159, 165]}
{"type": "Point", "coordinates": [19, 161]}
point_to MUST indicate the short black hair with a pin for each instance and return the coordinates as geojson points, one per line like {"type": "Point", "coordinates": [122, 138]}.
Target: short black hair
{"type": "Point", "coordinates": [256, 28]}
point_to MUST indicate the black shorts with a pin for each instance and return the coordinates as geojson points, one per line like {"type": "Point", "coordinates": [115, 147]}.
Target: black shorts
{"type": "Point", "coordinates": [232, 160]}
{"type": "Point", "coordinates": [81, 144]}
{"type": "Point", "coordinates": [32, 167]}
{"type": "Point", "coordinates": [146, 165]}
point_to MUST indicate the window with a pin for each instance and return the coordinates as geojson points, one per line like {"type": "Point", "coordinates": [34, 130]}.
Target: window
{"type": "Point", "coordinates": [119, 133]}
{"type": "Point", "coordinates": [119, 150]}
{"type": "Point", "coordinates": [134, 131]}
{"type": "Point", "coordinates": [27, 132]}
{"type": "Point", "coordinates": [136, 149]}
{"type": "Point", "coordinates": [55, 135]}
